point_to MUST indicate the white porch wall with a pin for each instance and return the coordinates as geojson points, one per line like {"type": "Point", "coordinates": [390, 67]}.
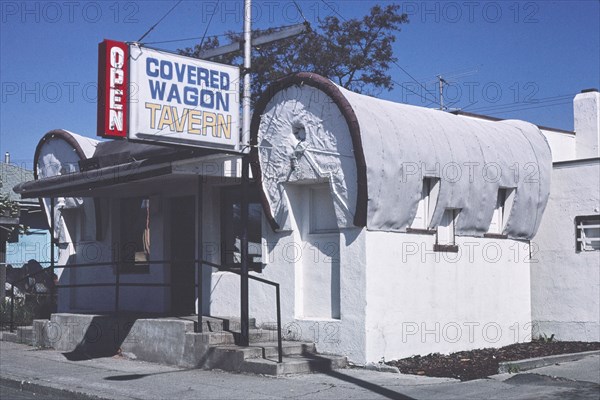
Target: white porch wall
{"type": "Point", "coordinates": [282, 254]}
{"type": "Point", "coordinates": [565, 283]}
{"type": "Point", "coordinates": [479, 297]}
{"type": "Point", "coordinates": [98, 299]}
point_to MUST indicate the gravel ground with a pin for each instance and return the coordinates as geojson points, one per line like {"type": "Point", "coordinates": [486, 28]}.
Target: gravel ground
{"type": "Point", "coordinates": [481, 363]}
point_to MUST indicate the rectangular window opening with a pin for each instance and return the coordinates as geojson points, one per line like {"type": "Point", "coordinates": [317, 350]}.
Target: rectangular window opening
{"type": "Point", "coordinates": [426, 204]}
{"type": "Point", "coordinates": [504, 202]}
{"type": "Point", "coordinates": [134, 235]}
{"type": "Point", "coordinates": [445, 233]}
{"type": "Point", "coordinates": [322, 211]}
{"type": "Point", "coordinates": [231, 224]}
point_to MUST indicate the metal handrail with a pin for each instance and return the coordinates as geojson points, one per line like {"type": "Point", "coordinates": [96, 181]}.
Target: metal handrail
{"type": "Point", "coordinates": [277, 299]}
{"type": "Point", "coordinates": [117, 284]}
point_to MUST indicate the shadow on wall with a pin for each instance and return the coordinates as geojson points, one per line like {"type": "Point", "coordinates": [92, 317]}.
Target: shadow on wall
{"type": "Point", "coordinates": [102, 337]}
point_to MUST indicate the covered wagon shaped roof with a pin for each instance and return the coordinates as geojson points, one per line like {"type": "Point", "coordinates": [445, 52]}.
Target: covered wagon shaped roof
{"type": "Point", "coordinates": [375, 155]}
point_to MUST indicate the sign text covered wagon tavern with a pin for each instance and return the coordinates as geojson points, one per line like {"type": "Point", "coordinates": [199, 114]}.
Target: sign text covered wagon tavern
{"type": "Point", "coordinates": [170, 98]}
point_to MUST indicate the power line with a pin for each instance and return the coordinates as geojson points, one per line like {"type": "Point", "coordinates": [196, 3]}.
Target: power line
{"type": "Point", "coordinates": [300, 11]}
{"type": "Point", "coordinates": [184, 39]}
{"type": "Point", "coordinates": [523, 103]}
{"type": "Point", "coordinates": [213, 36]}
{"type": "Point", "coordinates": [208, 25]}
{"type": "Point", "coordinates": [393, 61]}
{"type": "Point", "coordinates": [159, 21]}
{"type": "Point", "coordinates": [529, 108]}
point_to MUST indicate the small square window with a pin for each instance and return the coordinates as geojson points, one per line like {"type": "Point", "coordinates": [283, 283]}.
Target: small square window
{"type": "Point", "coordinates": [588, 233]}
{"type": "Point", "coordinates": [501, 210]}
{"type": "Point", "coordinates": [426, 204]}
{"type": "Point", "coordinates": [445, 230]}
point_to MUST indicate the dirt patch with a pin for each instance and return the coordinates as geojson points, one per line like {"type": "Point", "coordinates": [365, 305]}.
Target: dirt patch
{"type": "Point", "coordinates": [481, 363]}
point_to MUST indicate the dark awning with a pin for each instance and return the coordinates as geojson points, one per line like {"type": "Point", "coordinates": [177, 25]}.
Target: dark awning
{"type": "Point", "coordinates": [113, 163]}
{"type": "Point", "coordinates": [67, 185]}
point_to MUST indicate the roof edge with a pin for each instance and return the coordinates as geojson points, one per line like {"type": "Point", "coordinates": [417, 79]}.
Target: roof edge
{"type": "Point", "coordinates": [495, 119]}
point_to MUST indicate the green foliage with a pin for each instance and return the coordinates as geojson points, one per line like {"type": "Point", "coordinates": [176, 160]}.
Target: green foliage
{"type": "Point", "coordinates": [26, 309]}
{"type": "Point", "coordinates": [23, 312]}
{"type": "Point", "coordinates": [354, 53]}
{"type": "Point", "coordinates": [513, 369]}
{"type": "Point", "coordinates": [546, 339]}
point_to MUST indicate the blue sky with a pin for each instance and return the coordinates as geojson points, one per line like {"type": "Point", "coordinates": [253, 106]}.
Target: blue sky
{"type": "Point", "coordinates": [510, 59]}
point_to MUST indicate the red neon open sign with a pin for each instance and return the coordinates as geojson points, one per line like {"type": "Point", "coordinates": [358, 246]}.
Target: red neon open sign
{"type": "Point", "coordinates": [113, 81]}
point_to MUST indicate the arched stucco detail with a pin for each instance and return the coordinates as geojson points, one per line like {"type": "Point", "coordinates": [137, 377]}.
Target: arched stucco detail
{"type": "Point", "coordinates": [332, 91]}
{"type": "Point", "coordinates": [58, 153]}
{"type": "Point", "coordinates": [394, 147]}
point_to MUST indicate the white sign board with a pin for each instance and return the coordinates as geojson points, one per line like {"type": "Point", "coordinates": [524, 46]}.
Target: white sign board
{"type": "Point", "coordinates": [183, 100]}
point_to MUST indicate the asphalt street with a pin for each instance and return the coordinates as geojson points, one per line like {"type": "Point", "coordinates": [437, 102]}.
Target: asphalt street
{"type": "Point", "coordinates": [50, 375]}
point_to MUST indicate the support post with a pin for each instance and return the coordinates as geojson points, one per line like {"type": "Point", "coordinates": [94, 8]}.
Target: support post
{"type": "Point", "coordinates": [244, 313]}
{"type": "Point", "coordinates": [279, 339]}
{"type": "Point", "coordinates": [12, 308]}
{"type": "Point", "coordinates": [53, 300]}
{"type": "Point", "coordinates": [118, 263]}
{"type": "Point", "coordinates": [246, 106]}
{"type": "Point", "coordinates": [200, 254]}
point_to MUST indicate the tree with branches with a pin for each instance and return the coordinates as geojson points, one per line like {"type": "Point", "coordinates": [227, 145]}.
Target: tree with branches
{"type": "Point", "coordinates": [354, 53]}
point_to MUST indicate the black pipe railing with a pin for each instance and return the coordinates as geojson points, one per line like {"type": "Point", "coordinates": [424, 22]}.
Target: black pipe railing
{"type": "Point", "coordinates": [277, 300]}
{"type": "Point", "coordinates": [118, 284]}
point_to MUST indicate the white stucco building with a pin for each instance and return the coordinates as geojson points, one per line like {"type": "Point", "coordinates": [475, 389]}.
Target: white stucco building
{"type": "Point", "coordinates": [393, 230]}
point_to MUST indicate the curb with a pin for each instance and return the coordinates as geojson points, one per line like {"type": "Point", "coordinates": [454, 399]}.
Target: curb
{"type": "Point", "coordinates": [46, 389]}
{"type": "Point", "coordinates": [381, 367]}
{"type": "Point", "coordinates": [531, 363]}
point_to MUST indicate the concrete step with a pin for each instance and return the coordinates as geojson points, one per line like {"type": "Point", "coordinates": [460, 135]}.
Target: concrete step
{"type": "Point", "coordinates": [268, 350]}
{"type": "Point", "coordinates": [7, 336]}
{"type": "Point", "coordinates": [25, 335]}
{"type": "Point", "coordinates": [215, 324]}
{"type": "Point", "coordinates": [213, 338]}
{"type": "Point", "coordinates": [209, 324]}
{"type": "Point", "coordinates": [296, 364]}
{"type": "Point", "coordinates": [234, 323]}
{"type": "Point", "coordinates": [257, 335]}
{"type": "Point", "coordinates": [22, 334]}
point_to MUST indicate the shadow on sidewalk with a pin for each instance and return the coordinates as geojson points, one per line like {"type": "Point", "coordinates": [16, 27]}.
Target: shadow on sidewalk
{"type": "Point", "coordinates": [372, 387]}
{"type": "Point", "coordinates": [388, 393]}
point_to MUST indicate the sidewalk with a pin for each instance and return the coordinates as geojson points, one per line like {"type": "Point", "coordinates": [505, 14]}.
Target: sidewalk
{"type": "Point", "coordinates": [49, 372]}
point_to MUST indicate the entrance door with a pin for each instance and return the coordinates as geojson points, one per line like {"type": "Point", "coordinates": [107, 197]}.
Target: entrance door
{"type": "Point", "coordinates": [183, 239]}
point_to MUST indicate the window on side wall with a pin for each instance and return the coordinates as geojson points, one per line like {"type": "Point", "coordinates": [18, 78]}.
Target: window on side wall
{"type": "Point", "coordinates": [588, 233]}
{"type": "Point", "coordinates": [134, 235]}
{"type": "Point", "coordinates": [322, 211]}
{"type": "Point", "coordinates": [445, 236]}
{"type": "Point", "coordinates": [231, 224]}
{"type": "Point", "coordinates": [504, 202]}
{"type": "Point", "coordinates": [426, 204]}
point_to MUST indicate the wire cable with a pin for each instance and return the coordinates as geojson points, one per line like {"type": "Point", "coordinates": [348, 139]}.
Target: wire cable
{"type": "Point", "coordinates": [159, 21]}
{"type": "Point", "coordinates": [543, 100]}
{"type": "Point", "coordinates": [528, 108]}
{"type": "Point", "coordinates": [183, 39]}
{"type": "Point", "coordinates": [393, 62]}
{"type": "Point", "coordinates": [208, 25]}
{"type": "Point", "coordinates": [300, 11]}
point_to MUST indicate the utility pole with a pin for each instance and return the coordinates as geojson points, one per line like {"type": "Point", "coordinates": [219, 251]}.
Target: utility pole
{"type": "Point", "coordinates": [244, 309]}
{"type": "Point", "coordinates": [442, 82]}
